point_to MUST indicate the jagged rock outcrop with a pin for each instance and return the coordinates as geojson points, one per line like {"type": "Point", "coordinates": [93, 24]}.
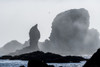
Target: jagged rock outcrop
{"type": "Point", "coordinates": [34, 35]}
{"type": "Point", "coordinates": [10, 47]}
{"type": "Point", "coordinates": [46, 57]}
{"type": "Point", "coordinates": [94, 61]}
{"type": "Point", "coordinates": [71, 35]}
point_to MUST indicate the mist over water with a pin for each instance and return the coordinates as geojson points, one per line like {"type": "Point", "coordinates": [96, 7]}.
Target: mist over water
{"type": "Point", "coordinates": [71, 35]}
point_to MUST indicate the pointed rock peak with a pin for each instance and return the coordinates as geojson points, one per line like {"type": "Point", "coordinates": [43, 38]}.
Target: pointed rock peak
{"type": "Point", "coordinates": [33, 28]}
{"type": "Point", "coordinates": [36, 25]}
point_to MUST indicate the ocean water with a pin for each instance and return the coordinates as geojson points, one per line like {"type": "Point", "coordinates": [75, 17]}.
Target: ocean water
{"type": "Point", "coordinates": [18, 63]}
{"type": "Point", "coordinates": [12, 63]}
{"type": "Point", "coordinates": [68, 64]}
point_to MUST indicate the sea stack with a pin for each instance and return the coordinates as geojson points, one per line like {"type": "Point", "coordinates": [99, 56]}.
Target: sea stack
{"type": "Point", "coordinates": [69, 29]}
{"type": "Point", "coordinates": [34, 35]}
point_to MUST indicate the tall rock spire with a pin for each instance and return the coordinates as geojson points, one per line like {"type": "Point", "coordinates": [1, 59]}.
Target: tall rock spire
{"type": "Point", "coordinates": [34, 35]}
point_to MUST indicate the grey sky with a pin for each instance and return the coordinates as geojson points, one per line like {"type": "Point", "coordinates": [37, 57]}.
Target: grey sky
{"type": "Point", "coordinates": [18, 16]}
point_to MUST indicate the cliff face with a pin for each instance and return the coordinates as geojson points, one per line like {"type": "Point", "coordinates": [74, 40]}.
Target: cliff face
{"type": "Point", "coordinates": [33, 42]}
{"type": "Point", "coordinates": [70, 24]}
{"type": "Point", "coordinates": [71, 35]}
{"type": "Point", "coordinates": [69, 29]}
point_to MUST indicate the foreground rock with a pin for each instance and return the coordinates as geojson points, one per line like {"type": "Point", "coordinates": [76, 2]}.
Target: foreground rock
{"type": "Point", "coordinates": [94, 61]}
{"type": "Point", "coordinates": [46, 57]}
{"type": "Point", "coordinates": [37, 63]}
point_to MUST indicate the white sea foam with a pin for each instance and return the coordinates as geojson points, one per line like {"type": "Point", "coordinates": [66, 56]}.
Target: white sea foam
{"type": "Point", "coordinates": [18, 63]}
{"type": "Point", "coordinates": [68, 64]}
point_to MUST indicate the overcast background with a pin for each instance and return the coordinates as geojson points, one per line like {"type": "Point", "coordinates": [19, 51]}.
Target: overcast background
{"type": "Point", "coordinates": [18, 16]}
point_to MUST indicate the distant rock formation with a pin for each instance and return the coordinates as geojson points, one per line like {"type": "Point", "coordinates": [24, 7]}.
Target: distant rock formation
{"type": "Point", "coordinates": [10, 47]}
{"type": "Point", "coordinates": [94, 61]}
{"type": "Point", "coordinates": [70, 34]}
{"type": "Point", "coordinates": [33, 42]}
{"type": "Point", "coordinates": [26, 44]}
{"type": "Point", "coordinates": [7, 48]}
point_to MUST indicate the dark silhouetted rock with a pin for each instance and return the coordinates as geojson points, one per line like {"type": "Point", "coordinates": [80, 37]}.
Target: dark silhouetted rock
{"type": "Point", "coordinates": [33, 41]}
{"type": "Point", "coordinates": [46, 57]}
{"type": "Point", "coordinates": [37, 63]}
{"type": "Point", "coordinates": [94, 61]}
{"type": "Point", "coordinates": [22, 66]}
{"type": "Point", "coordinates": [50, 65]}
{"type": "Point", "coordinates": [6, 57]}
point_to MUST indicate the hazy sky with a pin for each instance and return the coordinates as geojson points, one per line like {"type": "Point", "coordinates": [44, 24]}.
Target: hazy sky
{"type": "Point", "coordinates": [18, 16]}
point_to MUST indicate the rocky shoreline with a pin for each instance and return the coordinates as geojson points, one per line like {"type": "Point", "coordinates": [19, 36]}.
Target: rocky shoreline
{"type": "Point", "coordinates": [46, 57]}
